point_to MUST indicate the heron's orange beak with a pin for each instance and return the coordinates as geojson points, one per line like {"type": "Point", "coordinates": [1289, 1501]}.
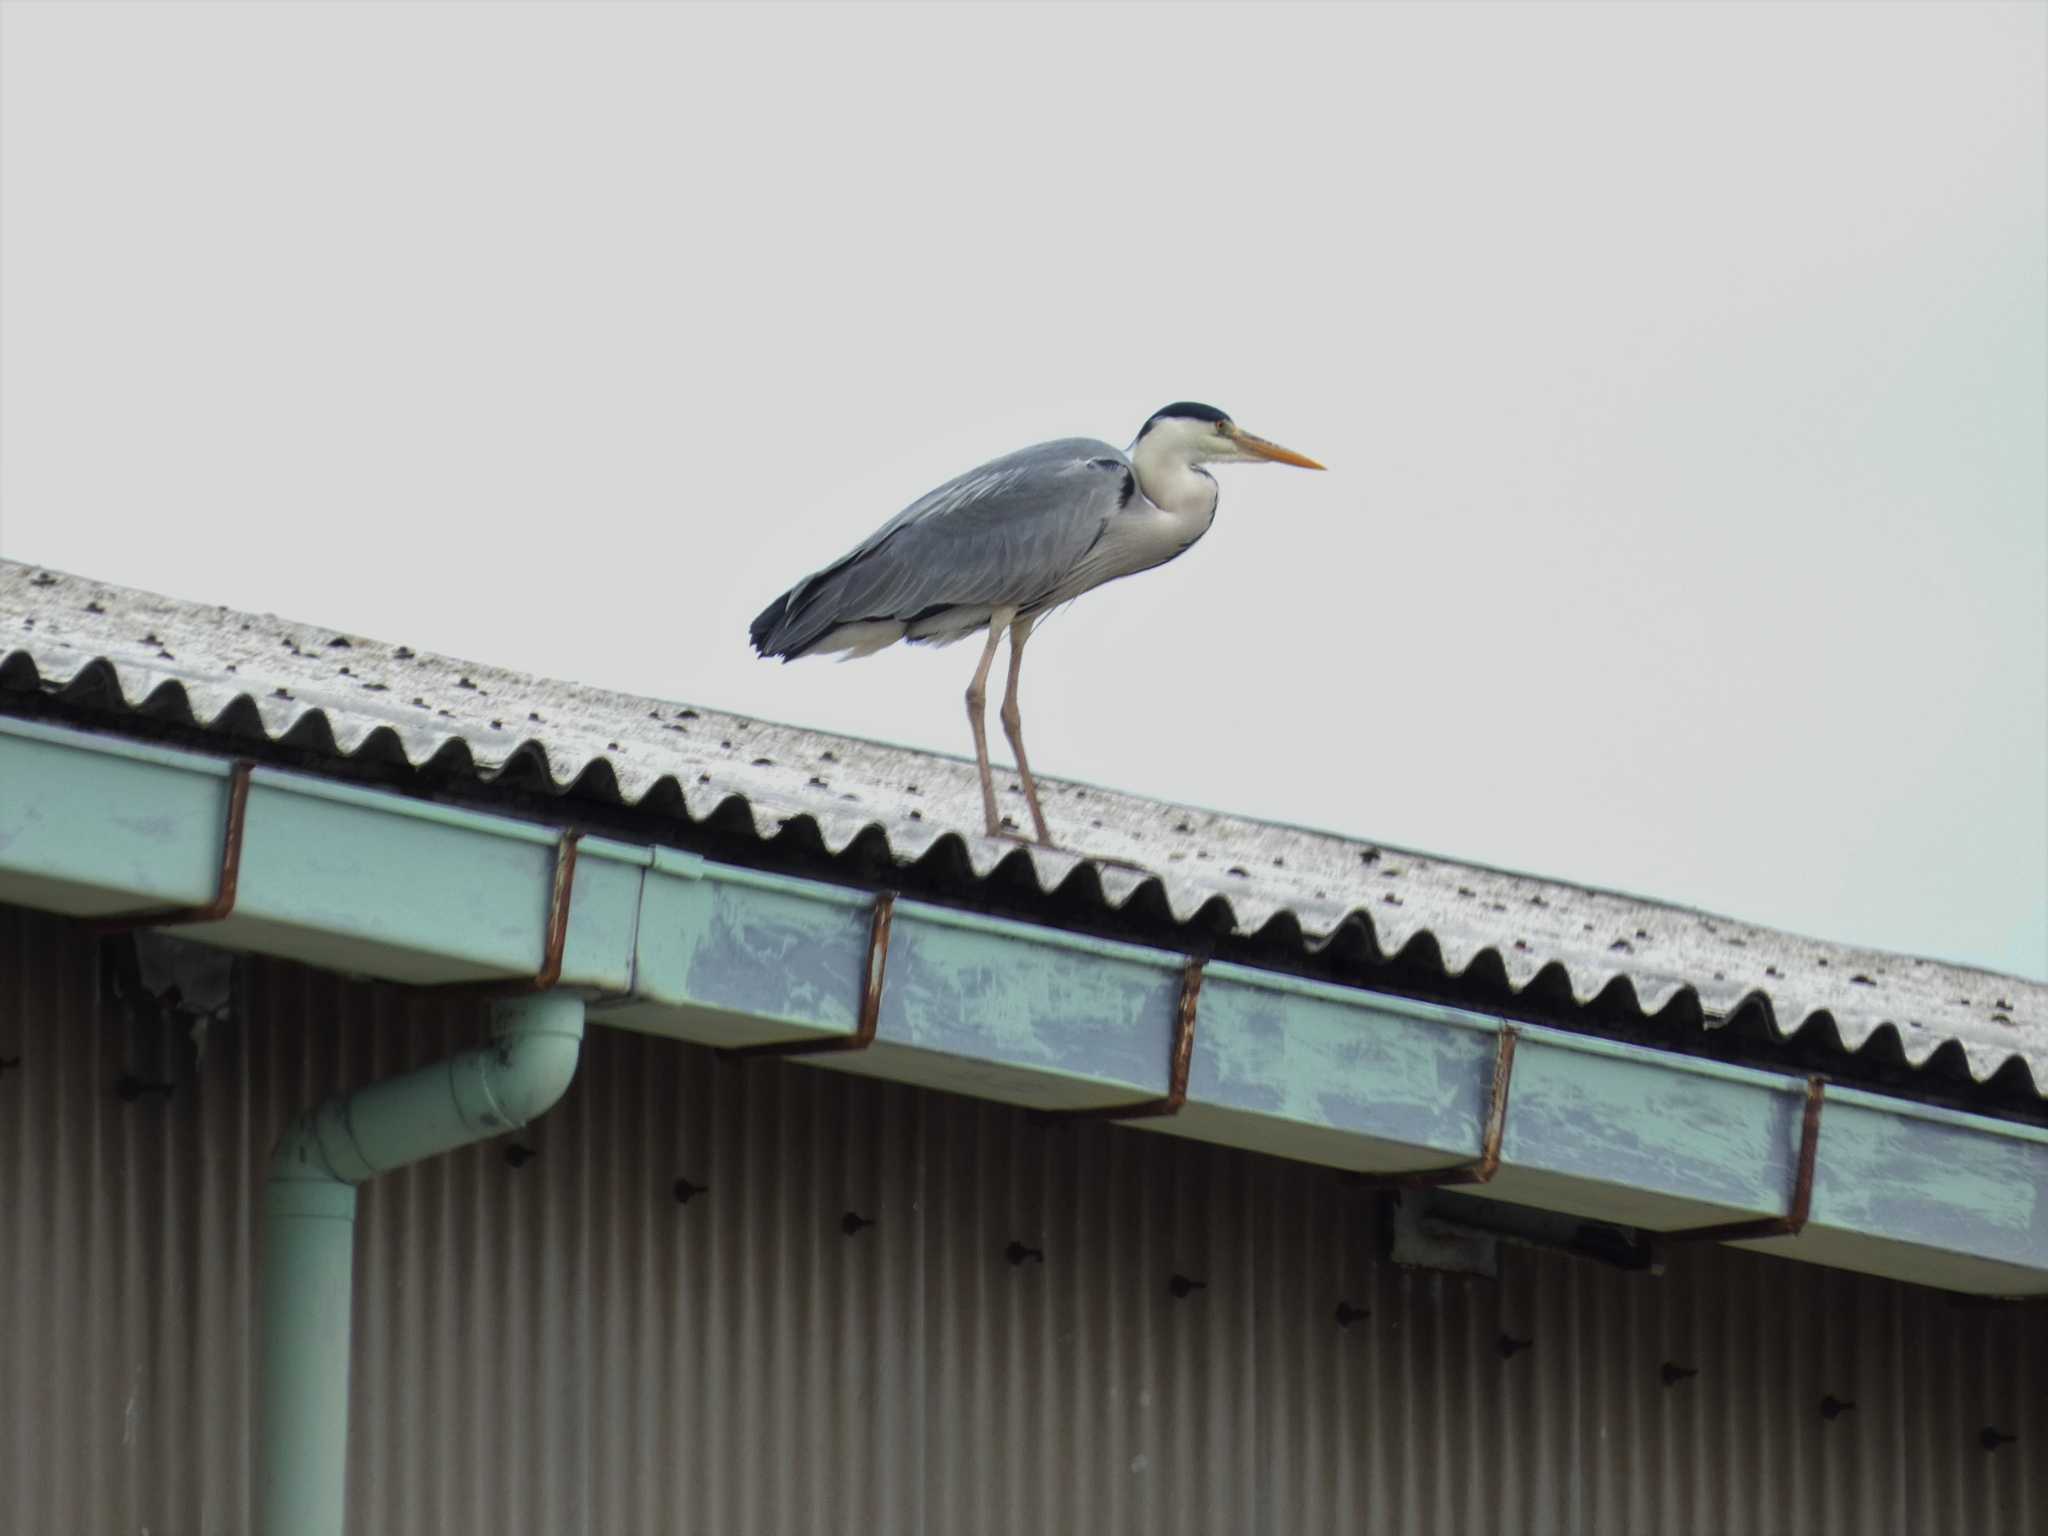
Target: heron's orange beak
{"type": "Point", "coordinates": [1273, 451]}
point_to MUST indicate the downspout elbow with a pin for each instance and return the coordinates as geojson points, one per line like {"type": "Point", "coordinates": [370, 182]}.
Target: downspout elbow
{"type": "Point", "coordinates": [535, 1047]}
{"type": "Point", "coordinates": [520, 1075]}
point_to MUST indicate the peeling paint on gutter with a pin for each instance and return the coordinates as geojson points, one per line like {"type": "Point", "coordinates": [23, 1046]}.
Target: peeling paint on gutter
{"type": "Point", "coordinates": [375, 883]}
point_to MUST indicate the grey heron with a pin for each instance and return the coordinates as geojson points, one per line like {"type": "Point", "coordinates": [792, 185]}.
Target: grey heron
{"type": "Point", "coordinates": [997, 547]}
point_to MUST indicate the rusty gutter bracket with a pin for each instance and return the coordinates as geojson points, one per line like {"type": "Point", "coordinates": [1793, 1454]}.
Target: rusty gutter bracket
{"type": "Point", "coordinates": [561, 891]}
{"type": "Point", "coordinates": [1481, 1169]}
{"type": "Point", "coordinates": [1183, 1055]}
{"type": "Point", "coordinates": [870, 1014]}
{"type": "Point", "coordinates": [223, 903]}
{"type": "Point", "coordinates": [1794, 1219]}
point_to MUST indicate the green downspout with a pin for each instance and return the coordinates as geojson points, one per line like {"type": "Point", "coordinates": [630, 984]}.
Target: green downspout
{"type": "Point", "coordinates": [309, 1209]}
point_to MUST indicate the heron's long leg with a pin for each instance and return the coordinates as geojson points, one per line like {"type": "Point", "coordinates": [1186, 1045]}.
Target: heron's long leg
{"type": "Point", "coordinates": [1013, 727]}
{"type": "Point", "coordinates": [977, 701]}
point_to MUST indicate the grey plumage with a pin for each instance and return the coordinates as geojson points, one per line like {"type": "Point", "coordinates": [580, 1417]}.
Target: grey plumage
{"type": "Point", "coordinates": [1016, 532]}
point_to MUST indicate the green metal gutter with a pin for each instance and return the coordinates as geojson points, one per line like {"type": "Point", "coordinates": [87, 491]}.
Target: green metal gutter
{"type": "Point", "coordinates": [666, 942]}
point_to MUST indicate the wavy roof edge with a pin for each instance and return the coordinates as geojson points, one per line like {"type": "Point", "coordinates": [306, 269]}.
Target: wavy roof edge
{"type": "Point", "coordinates": [122, 653]}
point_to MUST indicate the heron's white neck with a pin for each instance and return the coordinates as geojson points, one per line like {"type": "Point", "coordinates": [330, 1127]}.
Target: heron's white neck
{"type": "Point", "coordinates": [1165, 461]}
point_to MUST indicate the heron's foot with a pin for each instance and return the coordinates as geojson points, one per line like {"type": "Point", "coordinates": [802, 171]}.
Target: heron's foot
{"type": "Point", "coordinates": [1010, 834]}
{"type": "Point", "coordinates": [1111, 861]}
{"type": "Point", "coordinates": [1105, 860]}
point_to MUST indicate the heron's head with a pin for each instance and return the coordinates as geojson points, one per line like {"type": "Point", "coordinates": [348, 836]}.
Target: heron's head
{"type": "Point", "coordinates": [1201, 434]}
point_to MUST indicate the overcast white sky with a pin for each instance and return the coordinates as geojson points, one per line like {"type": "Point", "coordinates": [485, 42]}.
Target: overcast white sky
{"type": "Point", "coordinates": [1682, 372]}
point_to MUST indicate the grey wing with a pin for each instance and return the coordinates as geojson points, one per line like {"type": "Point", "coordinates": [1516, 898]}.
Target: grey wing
{"type": "Point", "coordinates": [1006, 534]}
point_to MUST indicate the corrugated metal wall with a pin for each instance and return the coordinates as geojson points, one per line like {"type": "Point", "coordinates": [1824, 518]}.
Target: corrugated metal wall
{"type": "Point", "coordinates": [562, 1346]}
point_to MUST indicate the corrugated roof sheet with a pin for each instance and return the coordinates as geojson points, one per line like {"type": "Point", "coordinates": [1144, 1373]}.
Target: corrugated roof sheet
{"type": "Point", "coordinates": [337, 694]}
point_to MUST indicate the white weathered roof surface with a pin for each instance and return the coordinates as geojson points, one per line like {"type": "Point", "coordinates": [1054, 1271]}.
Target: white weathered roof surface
{"type": "Point", "coordinates": [67, 634]}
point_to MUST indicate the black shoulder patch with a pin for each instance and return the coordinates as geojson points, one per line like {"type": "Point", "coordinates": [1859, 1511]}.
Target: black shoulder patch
{"type": "Point", "coordinates": [1130, 485]}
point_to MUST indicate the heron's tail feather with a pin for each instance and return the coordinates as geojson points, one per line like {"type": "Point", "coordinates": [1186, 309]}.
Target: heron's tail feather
{"type": "Point", "coordinates": [763, 632]}
{"type": "Point", "coordinates": [795, 622]}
